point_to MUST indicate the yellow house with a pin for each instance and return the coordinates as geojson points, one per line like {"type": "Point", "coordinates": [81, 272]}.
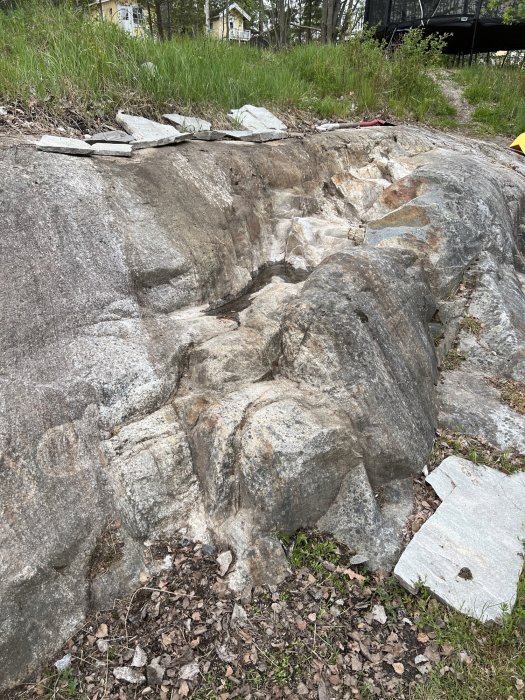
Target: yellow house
{"type": "Point", "coordinates": [128, 15]}
{"type": "Point", "coordinates": [231, 23]}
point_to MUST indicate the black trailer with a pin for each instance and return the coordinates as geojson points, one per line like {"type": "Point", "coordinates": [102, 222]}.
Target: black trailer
{"type": "Point", "coordinates": [471, 24]}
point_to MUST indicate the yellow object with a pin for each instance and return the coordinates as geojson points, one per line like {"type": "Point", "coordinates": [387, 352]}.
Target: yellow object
{"type": "Point", "coordinates": [519, 143]}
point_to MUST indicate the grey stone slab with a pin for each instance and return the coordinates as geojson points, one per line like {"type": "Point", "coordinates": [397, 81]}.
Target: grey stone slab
{"type": "Point", "coordinates": [148, 133]}
{"type": "Point", "coordinates": [254, 136]}
{"type": "Point", "coordinates": [112, 149]}
{"type": "Point", "coordinates": [208, 135]}
{"type": "Point", "coordinates": [110, 137]}
{"type": "Point", "coordinates": [60, 144]}
{"type": "Point", "coordinates": [470, 552]}
{"type": "Point", "coordinates": [257, 119]}
{"type": "Point", "coordinates": [191, 124]}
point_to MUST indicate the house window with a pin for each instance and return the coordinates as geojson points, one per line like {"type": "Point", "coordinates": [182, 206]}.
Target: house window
{"type": "Point", "coordinates": [211, 24]}
{"type": "Point", "coordinates": [231, 24]}
{"type": "Point", "coordinates": [138, 15]}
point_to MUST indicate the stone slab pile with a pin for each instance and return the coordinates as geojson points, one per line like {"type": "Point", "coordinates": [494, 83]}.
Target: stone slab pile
{"type": "Point", "coordinates": [260, 126]}
{"type": "Point", "coordinates": [470, 552]}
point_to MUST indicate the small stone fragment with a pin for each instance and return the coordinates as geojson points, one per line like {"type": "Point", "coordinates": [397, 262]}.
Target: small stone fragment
{"type": "Point", "coordinates": [130, 675]}
{"type": "Point", "coordinates": [239, 615]}
{"type": "Point", "coordinates": [420, 659]}
{"type": "Point", "coordinates": [358, 559]}
{"type": "Point", "coordinates": [379, 614]}
{"type": "Point", "coordinates": [140, 658]}
{"type": "Point", "coordinates": [102, 645]}
{"type": "Point", "coordinates": [224, 560]}
{"type": "Point", "coordinates": [63, 663]}
{"type": "Point", "coordinates": [189, 671]}
{"type": "Point", "coordinates": [155, 672]}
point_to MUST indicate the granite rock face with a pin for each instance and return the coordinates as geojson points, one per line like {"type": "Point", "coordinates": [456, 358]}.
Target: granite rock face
{"type": "Point", "coordinates": [158, 380]}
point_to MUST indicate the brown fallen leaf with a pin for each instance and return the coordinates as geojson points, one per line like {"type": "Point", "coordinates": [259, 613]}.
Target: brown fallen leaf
{"type": "Point", "coordinates": [184, 689]}
{"type": "Point", "coordinates": [102, 631]}
{"type": "Point", "coordinates": [354, 576]}
{"type": "Point", "coordinates": [398, 668]}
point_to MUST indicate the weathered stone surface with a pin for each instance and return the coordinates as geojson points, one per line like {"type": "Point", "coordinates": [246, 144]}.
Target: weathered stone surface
{"type": "Point", "coordinates": [110, 137]}
{"type": "Point", "coordinates": [125, 402]}
{"type": "Point", "coordinates": [256, 119]}
{"type": "Point", "coordinates": [148, 133]}
{"type": "Point", "coordinates": [60, 144]}
{"type": "Point", "coordinates": [470, 552]}
{"type": "Point", "coordinates": [190, 124]}
{"type": "Point", "coordinates": [112, 149]}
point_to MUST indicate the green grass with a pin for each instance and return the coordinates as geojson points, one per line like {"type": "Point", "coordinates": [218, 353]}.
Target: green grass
{"type": "Point", "coordinates": [494, 665]}
{"type": "Point", "coordinates": [499, 96]}
{"type": "Point", "coordinates": [59, 64]}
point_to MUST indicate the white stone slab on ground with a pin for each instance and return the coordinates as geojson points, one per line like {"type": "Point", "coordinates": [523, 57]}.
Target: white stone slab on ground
{"type": "Point", "coordinates": [61, 144]}
{"type": "Point", "coordinates": [190, 124]}
{"type": "Point", "coordinates": [112, 149]}
{"type": "Point", "coordinates": [469, 553]}
{"type": "Point", "coordinates": [148, 133]}
{"type": "Point", "coordinates": [257, 119]}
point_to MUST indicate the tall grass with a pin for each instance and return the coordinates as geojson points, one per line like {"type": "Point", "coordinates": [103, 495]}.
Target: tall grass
{"type": "Point", "coordinates": [58, 64]}
{"type": "Point", "coordinates": [499, 96]}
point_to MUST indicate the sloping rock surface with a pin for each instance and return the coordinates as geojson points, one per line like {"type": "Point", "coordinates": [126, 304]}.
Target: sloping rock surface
{"type": "Point", "coordinates": [157, 380]}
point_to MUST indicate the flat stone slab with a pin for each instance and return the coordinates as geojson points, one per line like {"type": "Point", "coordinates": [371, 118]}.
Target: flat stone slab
{"type": "Point", "coordinates": [208, 135]}
{"type": "Point", "coordinates": [110, 137]}
{"type": "Point", "coordinates": [61, 144]}
{"type": "Point", "coordinates": [470, 552]}
{"type": "Point", "coordinates": [148, 133]}
{"type": "Point", "coordinates": [112, 149]}
{"type": "Point", "coordinates": [191, 124]}
{"type": "Point", "coordinates": [254, 136]}
{"type": "Point", "coordinates": [257, 119]}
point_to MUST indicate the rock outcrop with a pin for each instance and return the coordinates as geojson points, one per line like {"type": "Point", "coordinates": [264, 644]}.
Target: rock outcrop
{"type": "Point", "coordinates": [157, 380]}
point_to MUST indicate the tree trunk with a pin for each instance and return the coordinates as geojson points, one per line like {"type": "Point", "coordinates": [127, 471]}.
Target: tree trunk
{"type": "Point", "coordinates": [206, 17]}
{"type": "Point", "coordinates": [168, 3]}
{"type": "Point", "coordinates": [324, 21]}
{"type": "Point", "coordinates": [150, 18]}
{"type": "Point", "coordinates": [158, 17]}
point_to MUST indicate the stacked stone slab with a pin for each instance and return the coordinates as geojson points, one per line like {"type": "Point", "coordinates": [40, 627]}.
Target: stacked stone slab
{"type": "Point", "coordinates": [148, 133]}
